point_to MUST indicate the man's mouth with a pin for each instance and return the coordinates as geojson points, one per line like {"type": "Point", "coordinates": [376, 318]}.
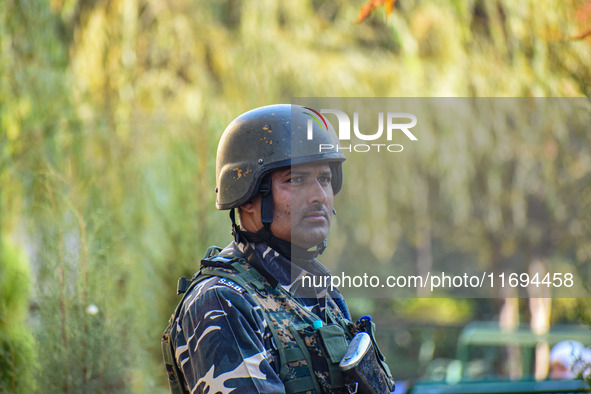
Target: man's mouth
{"type": "Point", "coordinates": [316, 215]}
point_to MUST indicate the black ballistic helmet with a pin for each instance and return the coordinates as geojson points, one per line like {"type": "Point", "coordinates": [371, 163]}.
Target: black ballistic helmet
{"type": "Point", "coordinates": [267, 138]}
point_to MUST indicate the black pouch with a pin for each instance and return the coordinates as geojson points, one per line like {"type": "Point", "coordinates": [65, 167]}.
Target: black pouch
{"type": "Point", "coordinates": [362, 371]}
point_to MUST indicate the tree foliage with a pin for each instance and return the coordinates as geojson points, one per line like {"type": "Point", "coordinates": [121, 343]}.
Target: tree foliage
{"type": "Point", "coordinates": [17, 356]}
{"type": "Point", "coordinates": [110, 113]}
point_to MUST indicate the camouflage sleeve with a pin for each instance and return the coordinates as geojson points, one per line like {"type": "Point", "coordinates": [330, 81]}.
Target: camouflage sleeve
{"type": "Point", "coordinates": [220, 344]}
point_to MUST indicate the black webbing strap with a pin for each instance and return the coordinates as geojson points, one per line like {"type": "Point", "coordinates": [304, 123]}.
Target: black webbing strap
{"type": "Point", "coordinates": [213, 263]}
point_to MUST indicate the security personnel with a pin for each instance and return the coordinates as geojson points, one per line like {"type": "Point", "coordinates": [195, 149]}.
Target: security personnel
{"type": "Point", "coordinates": [246, 322]}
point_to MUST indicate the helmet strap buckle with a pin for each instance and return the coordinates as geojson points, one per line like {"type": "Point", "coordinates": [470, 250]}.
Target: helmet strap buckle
{"type": "Point", "coordinates": [267, 201]}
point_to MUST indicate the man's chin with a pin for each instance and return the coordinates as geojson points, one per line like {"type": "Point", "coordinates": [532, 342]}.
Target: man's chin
{"type": "Point", "coordinates": [310, 240]}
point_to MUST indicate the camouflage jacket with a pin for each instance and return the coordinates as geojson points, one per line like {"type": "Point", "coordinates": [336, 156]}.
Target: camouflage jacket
{"type": "Point", "coordinates": [221, 338]}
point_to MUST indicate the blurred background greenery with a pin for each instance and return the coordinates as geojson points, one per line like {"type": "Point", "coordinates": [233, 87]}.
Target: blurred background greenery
{"type": "Point", "coordinates": [110, 114]}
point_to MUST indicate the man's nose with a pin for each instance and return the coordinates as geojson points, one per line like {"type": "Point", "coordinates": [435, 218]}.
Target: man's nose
{"type": "Point", "coordinates": [316, 192]}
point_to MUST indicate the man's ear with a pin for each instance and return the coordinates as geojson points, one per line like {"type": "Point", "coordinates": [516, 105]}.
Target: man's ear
{"type": "Point", "coordinates": [250, 214]}
{"type": "Point", "coordinates": [248, 208]}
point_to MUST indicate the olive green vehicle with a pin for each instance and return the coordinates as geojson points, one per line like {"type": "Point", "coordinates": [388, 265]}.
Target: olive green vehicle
{"type": "Point", "coordinates": [481, 364]}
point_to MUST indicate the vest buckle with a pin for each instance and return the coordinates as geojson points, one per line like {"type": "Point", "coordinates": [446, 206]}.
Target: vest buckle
{"type": "Point", "coordinates": [352, 387]}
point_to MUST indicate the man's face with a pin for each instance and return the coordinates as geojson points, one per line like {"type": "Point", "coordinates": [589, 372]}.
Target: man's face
{"type": "Point", "coordinates": [303, 204]}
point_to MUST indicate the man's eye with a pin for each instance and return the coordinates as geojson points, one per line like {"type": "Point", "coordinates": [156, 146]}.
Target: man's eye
{"type": "Point", "coordinates": [296, 179]}
{"type": "Point", "coordinates": [324, 179]}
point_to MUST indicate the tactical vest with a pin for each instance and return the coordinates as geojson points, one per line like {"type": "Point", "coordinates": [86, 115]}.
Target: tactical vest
{"type": "Point", "coordinates": [309, 350]}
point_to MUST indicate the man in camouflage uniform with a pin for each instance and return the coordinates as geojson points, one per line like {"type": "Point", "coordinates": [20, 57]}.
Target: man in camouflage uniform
{"type": "Point", "coordinates": [247, 324]}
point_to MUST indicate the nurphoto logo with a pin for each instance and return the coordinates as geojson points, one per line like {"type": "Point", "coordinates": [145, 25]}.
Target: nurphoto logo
{"type": "Point", "coordinates": [397, 123]}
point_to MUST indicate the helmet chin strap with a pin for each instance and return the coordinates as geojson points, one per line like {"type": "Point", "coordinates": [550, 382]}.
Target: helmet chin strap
{"type": "Point", "coordinates": [284, 248]}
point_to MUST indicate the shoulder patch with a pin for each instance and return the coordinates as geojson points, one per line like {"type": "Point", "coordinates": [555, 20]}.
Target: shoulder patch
{"type": "Point", "coordinates": [232, 285]}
